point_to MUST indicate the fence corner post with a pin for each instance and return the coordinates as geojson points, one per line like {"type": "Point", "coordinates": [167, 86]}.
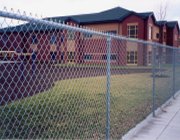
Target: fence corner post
{"type": "Point", "coordinates": [174, 66]}
{"type": "Point", "coordinates": [154, 77]}
{"type": "Point", "coordinates": [108, 76]}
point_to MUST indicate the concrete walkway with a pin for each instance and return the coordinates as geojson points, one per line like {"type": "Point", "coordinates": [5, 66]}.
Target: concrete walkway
{"type": "Point", "coordinates": [165, 126]}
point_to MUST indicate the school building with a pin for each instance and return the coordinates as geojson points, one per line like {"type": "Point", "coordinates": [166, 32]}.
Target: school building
{"type": "Point", "coordinates": [44, 43]}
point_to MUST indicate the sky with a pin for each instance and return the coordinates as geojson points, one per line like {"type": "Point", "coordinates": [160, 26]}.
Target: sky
{"type": "Point", "coordinates": [49, 8]}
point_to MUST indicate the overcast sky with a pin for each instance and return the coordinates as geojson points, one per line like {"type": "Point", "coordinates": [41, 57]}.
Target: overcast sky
{"type": "Point", "coordinates": [48, 8]}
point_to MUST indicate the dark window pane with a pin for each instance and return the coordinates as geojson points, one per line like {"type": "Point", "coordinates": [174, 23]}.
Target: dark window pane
{"type": "Point", "coordinates": [53, 39]}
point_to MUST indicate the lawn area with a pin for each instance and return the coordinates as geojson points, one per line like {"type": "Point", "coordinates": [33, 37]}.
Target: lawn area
{"type": "Point", "coordinates": [76, 109]}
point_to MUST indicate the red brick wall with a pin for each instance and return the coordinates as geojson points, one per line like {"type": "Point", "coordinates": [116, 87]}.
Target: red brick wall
{"type": "Point", "coordinates": [97, 47]}
{"type": "Point", "coordinates": [175, 33]}
{"type": "Point", "coordinates": [142, 33]}
{"type": "Point", "coordinates": [170, 36]}
{"type": "Point", "coordinates": [133, 19]}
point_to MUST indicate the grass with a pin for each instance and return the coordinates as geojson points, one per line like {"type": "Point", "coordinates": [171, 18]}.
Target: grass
{"type": "Point", "coordinates": [76, 109]}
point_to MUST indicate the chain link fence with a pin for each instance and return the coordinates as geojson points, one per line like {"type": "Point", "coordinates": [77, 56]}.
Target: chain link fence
{"type": "Point", "coordinates": [61, 81]}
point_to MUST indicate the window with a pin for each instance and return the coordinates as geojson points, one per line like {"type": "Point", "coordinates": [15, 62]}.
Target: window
{"type": "Point", "coordinates": [132, 31]}
{"type": "Point", "coordinates": [132, 57]}
{"type": "Point", "coordinates": [4, 39]}
{"type": "Point", "coordinates": [87, 57]}
{"type": "Point", "coordinates": [104, 57]}
{"type": "Point", "coordinates": [62, 36]}
{"type": "Point", "coordinates": [164, 35]}
{"type": "Point", "coordinates": [150, 32]}
{"type": "Point", "coordinates": [62, 56]}
{"type": "Point", "coordinates": [53, 55]}
{"type": "Point", "coordinates": [175, 37]}
{"type": "Point", "coordinates": [114, 32]}
{"type": "Point", "coordinates": [53, 39]}
{"type": "Point", "coordinates": [34, 39]}
{"type": "Point", "coordinates": [71, 56]}
{"type": "Point", "coordinates": [87, 35]}
{"type": "Point", "coordinates": [149, 57]}
{"type": "Point", "coordinates": [71, 35]}
{"type": "Point", "coordinates": [112, 57]}
{"type": "Point", "coordinates": [157, 35]}
{"type": "Point", "coordinates": [33, 56]}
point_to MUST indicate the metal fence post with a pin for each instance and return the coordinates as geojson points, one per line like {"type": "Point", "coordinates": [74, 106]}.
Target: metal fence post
{"type": "Point", "coordinates": [174, 66]}
{"type": "Point", "coordinates": [154, 78]}
{"type": "Point", "coordinates": [108, 88]}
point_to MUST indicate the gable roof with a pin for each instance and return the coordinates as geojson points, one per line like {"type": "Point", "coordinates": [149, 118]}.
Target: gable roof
{"type": "Point", "coordinates": [111, 15]}
{"type": "Point", "coordinates": [161, 22]}
{"type": "Point", "coordinates": [145, 15]}
{"type": "Point", "coordinates": [28, 27]}
{"type": "Point", "coordinates": [116, 14]}
{"type": "Point", "coordinates": [171, 24]}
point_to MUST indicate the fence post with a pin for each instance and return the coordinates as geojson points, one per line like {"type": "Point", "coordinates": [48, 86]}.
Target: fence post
{"type": "Point", "coordinates": [154, 77]}
{"type": "Point", "coordinates": [108, 75]}
{"type": "Point", "coordinates": [174, 66]}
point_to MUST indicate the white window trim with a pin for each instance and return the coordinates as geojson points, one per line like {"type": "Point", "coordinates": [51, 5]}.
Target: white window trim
{"type": "Point", "coordinates": [129, 30]}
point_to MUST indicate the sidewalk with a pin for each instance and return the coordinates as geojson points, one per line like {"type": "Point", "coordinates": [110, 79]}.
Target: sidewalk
{"type": "Point", "coordinates": [165, 126]}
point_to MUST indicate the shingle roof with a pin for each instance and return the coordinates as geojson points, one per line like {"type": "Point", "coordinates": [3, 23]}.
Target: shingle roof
{"type": "Point", "coordinates": [27, 27]}
{"type": "Point", "coordinates": [162, 22]}
{"type": "Point", "coordinates": [111, 15]}
{"type": "Point", "coordinates": [145, 15]}
{"type": "Point", "coordinates": [171, 24]}
{"type": "Point", "coordinates": [115, 14]}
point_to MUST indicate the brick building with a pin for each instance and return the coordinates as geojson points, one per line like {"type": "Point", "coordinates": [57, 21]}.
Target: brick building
{"type": "Point", "coordinates": [47, 43]}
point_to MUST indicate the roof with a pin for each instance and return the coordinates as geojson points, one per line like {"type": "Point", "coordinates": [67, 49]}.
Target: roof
{"type": "Point", "coordinates": [27, 27]}
{"type": "Point", "coordinates": [111, 15]}
{"type": "Point", "coordinates": [172, 24]}
{"type": "Point", "coordinates": [161, 23]}
{"type": "Point", "coordinates": [145, 15]}
{"type": "Point", "coordinates": [117, 14]}
{"type": "Point", "coordinates": [169, 24]}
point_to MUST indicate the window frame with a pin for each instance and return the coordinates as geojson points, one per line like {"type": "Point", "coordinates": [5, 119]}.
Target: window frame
{"type": "Point", "coordinates": [34, 39]}
{"type": "Point", "coordinates": [132, 28]}
{"type": "Point", "coordinates": [113, 57]}
{"type": "Point", "coordinates": [53, 39]}
{"type": "Point", "coordinates": [4, 39]}
{"type": "Point", "coordinates": [164, 36]}
{"type": "Point", "coordinates": [88, 57]}
{"type": "Point", "coordinates": [135, 57]}
{"type": "Point", "coordinates": [112, 32]}
{"type": "Point", "coordinates": [157, 35]}
{"type": "Point", "coordinates": [71, 56]}
{"type": "Point", "coordinates": [150, 32]}
{"type": "Point", "coordinates": [70, 35]}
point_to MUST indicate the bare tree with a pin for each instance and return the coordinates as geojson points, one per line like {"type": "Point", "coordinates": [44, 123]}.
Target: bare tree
{"type": "Point", "coordinates": [162, 10]}
{"type": "Point", "coordinates": [161, 15]}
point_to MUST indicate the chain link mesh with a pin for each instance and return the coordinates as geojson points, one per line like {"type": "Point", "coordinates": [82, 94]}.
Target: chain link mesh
{"type": "Point", "coordinates": [54, 80]}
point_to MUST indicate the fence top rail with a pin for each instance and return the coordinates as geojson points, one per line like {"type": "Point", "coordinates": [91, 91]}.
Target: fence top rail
{"type": "Point", "coordinates": [30, 19]}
